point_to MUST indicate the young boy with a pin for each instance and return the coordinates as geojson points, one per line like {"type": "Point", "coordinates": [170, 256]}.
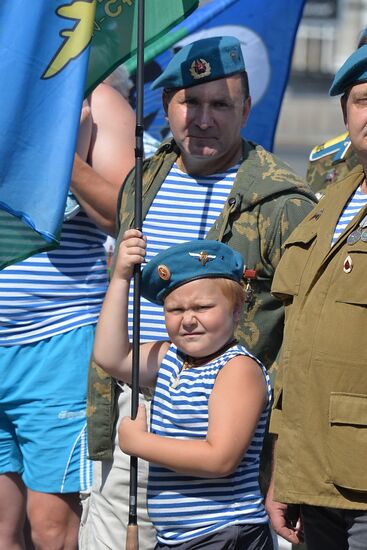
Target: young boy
{"type": "Point", "coordinates": [211, 397]}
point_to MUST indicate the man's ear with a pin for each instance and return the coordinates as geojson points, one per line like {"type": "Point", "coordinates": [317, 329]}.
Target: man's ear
{"type": "Point", "coordinates": [246, 110]}
{"type": "Point", "coordinates": [165, 101]}
{"type": "Point", "coordinates": [343, 104]}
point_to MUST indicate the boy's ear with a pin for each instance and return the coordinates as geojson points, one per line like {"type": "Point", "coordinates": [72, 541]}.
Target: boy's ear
{"type": "Point", "coordinates": [237, 312]}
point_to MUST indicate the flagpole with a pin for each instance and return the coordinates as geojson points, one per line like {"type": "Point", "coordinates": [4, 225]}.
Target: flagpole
{"type": "Point", "coordinates": [132, 540]}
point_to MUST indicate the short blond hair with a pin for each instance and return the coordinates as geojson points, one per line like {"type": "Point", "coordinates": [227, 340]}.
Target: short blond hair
{"type": "Point", "coordinates": [233, 292]}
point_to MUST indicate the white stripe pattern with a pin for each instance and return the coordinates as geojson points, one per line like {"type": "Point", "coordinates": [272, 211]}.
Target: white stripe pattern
{"type": "Point", "coordinates": [357, 201]}
{"type": "Point", "coordinates": [180, 506]}
{"type": "Point", "coordinates": [51, 293]}
{"type": "Point", "coordinates": [184, 208]}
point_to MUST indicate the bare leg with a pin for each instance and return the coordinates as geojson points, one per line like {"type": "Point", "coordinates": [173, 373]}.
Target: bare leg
{"type": "Point", "coordinates": [12, 511]}
{"type": "Point", "coordinates": [27, 535]}
{"type": "Point", "coordinates": [54, 520]}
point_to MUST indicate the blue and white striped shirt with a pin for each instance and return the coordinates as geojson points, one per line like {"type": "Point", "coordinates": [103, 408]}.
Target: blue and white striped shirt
{"type": "Point", "coordinates": [184, 208]}
{"type": "Point", "coordinates": [181, 506]}
{"type": "Point", "coordinates": [357, 201]}
{"type": "Point", "coordinates": [54, 292]}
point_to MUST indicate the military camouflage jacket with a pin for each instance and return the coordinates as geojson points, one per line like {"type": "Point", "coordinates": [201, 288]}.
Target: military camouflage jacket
{"type": "Point", "coordinates": [266, 203]}
{"type": "Point", "coordinates": [330, 162]}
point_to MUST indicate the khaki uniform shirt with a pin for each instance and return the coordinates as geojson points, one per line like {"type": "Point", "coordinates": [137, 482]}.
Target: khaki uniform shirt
{"type": "Point", "coordinates": [320, 401]}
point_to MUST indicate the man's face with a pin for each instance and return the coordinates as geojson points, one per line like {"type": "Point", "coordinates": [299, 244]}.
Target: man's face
{"type": "Point", "coordinates": [206, 121]}
{"type": "Point", "coordinates": [355, 117]}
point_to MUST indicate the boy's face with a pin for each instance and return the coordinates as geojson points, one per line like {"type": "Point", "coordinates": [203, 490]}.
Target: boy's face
{"type": "Point", "coordinates": [199, 318]}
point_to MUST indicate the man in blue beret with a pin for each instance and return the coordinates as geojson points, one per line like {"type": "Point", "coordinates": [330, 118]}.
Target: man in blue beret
{"type": "Point", "coordinates": [333, 159]}
{"type": "Point", "coordinates": [204, 182]}
{"type": "Point", "coordinates": [320, 398]}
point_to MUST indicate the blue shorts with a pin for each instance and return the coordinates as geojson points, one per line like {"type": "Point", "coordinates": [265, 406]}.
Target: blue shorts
{"type": "Point", "coordinates": [43, 389]}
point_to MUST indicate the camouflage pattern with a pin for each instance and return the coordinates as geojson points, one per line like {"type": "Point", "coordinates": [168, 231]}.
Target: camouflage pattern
{"type": "Point", "coordinates": [330, 162]}
{"type": "Point", "coordinates": [267, 201]}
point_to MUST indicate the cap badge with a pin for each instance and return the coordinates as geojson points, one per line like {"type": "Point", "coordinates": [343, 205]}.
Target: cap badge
{"type": "Point", "coordinates": [348, 265]}
{"type": "Point", "coordinates": [233, 55]}
{"type": "Point", "coordinates": [202, 257]}
{"type": "Point", "coordinates": [163, 272]}
{"type": "Point", "coordinates": [200, 68]}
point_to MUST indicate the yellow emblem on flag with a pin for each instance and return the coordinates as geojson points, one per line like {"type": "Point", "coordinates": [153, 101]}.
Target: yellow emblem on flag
{"type": "Point", "coordinates": [77, 38]}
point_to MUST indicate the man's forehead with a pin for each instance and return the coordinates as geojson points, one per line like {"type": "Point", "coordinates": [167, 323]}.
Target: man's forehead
{"type": "Point", "coordinates": [359, 90]}
{"type": "Point", "coordinates": [222, 86]}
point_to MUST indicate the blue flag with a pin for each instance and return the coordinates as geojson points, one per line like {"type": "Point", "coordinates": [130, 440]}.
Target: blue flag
{"type": "Point", "coordinates": [44, 55]}
{"type": "Point", "coordinates": [267, 32]}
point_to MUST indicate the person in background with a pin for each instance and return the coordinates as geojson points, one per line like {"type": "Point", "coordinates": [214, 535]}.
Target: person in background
{"type": "Point", "coordinates": [319, 411]}
{"type": "Point", "coordinates": [335, 158]}
{"type": "Point", "coordinates": [49, 306]}
{"type": "Point", "coordinates": [120, 80]}
{"type": "Point", "coordinates": [205, 182]}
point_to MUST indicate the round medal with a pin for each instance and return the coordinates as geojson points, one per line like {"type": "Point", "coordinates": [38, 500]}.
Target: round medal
{"type": "Point", "coordinates": [354, 237]}
{"type": "Point", "coordinates": [163, 272]}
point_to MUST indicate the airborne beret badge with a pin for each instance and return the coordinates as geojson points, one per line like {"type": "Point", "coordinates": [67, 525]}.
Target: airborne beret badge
{"type": "Point", "coordinates": [200, 68]}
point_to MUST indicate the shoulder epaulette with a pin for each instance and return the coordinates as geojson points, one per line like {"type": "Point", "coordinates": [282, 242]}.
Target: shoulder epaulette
{"type": "Point", "coordinates": [337, 146]}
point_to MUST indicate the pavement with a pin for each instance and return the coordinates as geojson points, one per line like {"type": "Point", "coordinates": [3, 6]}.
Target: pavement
{"type": "Point", "coordinates": [283, 544]}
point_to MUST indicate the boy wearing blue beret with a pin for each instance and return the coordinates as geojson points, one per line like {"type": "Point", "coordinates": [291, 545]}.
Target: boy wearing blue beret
{"type": "Point", "coordinates": [211, 399]}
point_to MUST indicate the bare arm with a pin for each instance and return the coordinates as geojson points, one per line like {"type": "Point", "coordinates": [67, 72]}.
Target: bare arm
{"type": "Point", "coordinates": [96, 181]}
{"type": "Point", "coordinates": [235, 407]}
{"type": "Point", "coordinates": [112, 349]}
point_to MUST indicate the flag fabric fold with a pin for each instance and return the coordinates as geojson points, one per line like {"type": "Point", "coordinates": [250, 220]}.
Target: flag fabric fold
{"type": "Point", "coordinates": [115, 33]}
{"type": "Point", "coordinates": [267, 32]}
{"type": "Point", "coordinates": [45, 50]}
{"type": "Point", "coordinates": [43, 66]}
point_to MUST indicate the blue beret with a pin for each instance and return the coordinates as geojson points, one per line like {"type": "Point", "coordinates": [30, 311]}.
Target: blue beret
{"type": "Point", "coordinates": [354, 71]}
{"type": "Point", "coordinates": [185, 262]}
{"type": "Point", "coordinates": [202, 61]}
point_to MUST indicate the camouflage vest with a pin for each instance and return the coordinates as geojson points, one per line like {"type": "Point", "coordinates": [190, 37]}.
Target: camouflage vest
{"type": "Point", "coordinates": [266, 203]}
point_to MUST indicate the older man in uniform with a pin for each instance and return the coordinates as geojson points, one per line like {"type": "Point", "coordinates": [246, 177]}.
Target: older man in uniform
{"type": "Point", "coordinates": [335, 158]}
{"type": "Point", "coordinates": [206, 182]}
{"type": "Point", "coordinates": [320, 402]}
